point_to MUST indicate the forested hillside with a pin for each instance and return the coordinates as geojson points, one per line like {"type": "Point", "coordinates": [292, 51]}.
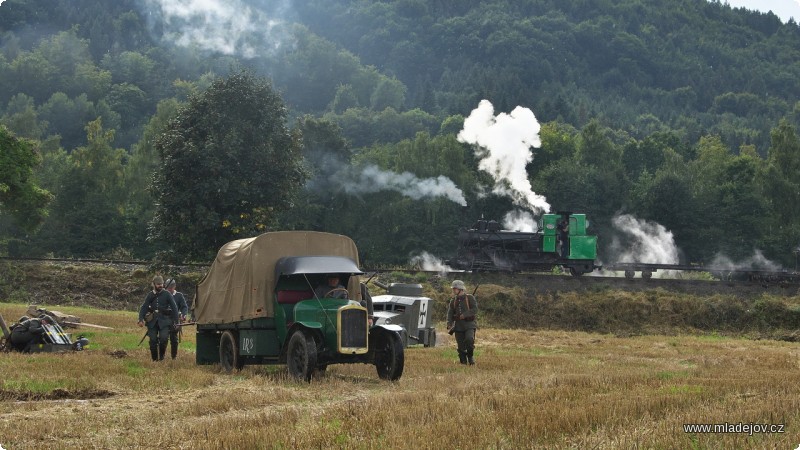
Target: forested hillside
{"type": "Point", "coordinates": [680, 113]}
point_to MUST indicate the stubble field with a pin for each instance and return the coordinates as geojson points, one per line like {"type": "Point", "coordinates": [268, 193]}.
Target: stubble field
{"type": "Point", "coordinates": [529, 389]}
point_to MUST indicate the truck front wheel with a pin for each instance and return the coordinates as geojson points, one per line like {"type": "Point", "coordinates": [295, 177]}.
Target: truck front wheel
{"type": "Point", "coordinates": [229, 357]}
{"type": "Point", "coordinates": [389, 357]}
{"type": "Point", "coordinates": [301, 355]}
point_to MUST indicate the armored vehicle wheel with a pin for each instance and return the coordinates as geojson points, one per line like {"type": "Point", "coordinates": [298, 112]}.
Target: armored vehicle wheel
{"type": "Point", "coordinates": [389, 357]}
{"type": "Point", "coordinates": [301, 355]}
{"type": "Point", "coordinates": [646, 274]}
{"type": "Point", "coordinates": [431, 339]}
{"type": "Point", "coordinates": [229, 357]}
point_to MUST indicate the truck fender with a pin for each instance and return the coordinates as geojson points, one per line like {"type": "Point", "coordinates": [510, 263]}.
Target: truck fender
{"type": "Point", "coordinates": [304, 324]}
{"type": "Point", "coordinates": [390, 327]}
{"type": "Point", "coordinates": [314, 327]}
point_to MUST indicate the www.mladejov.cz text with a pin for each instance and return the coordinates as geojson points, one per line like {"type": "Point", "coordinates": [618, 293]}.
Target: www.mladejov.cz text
{"type": "Point", "coordinates": [741, 427]}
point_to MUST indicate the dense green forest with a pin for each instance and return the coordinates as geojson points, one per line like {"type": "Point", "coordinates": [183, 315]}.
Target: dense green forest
{"type": "Point", "coordinates": [155, 129]}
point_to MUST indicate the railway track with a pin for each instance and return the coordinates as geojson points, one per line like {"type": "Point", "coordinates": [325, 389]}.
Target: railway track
{"type": "Point", "coordinates": [622, 278]}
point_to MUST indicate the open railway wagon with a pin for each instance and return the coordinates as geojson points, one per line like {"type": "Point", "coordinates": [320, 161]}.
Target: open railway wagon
{"type": "Point", "coordinates": [257, 305]}
{"type": "Point", "coordinates": [486, 247]}
{"type": "Point", "coordinates": [52, 339]}
{"type": "Point", "coordinates": [750, 274]}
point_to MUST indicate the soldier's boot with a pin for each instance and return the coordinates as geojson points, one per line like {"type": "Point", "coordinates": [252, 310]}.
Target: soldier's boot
{"type": "Point", "coordinates": [162, 349]}
{"type": "Point", "coordinates": [173, 350]}
{"type": "Point", "coordinates": [470, 359]}
{"type": "Point", "coordinates": [154, 353]}
{"type": "Point", "coordinates": [462, 357]}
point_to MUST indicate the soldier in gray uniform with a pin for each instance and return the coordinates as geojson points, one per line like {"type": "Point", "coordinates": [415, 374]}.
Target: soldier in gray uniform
{"type": "Point", "coordinates": [461, 313]}
{"type": "Point", "coordinates": [26, 333]}
{"type": "Point", "coordinates": [160, 313]}
{"type": "Point", "coordinates": [183, 309]}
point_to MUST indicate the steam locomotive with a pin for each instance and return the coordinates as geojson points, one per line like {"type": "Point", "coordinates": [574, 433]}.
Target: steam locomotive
{"type": "Point", "coordinates": [560, 241]}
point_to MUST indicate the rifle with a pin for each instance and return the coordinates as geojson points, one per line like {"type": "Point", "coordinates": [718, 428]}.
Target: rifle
{"type": "Point", "coordinates": [142, 340]}
{"type": "Point", "coordinates": [371, 277]}
{"type": "Point", "coordinates": [179, 328]}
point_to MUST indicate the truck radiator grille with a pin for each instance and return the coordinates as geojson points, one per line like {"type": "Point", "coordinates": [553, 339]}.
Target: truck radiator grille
{"type": "Point", "coordinates": [354, 328]}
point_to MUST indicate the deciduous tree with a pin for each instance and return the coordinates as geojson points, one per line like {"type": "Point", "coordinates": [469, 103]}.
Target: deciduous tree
{"type": "Point", "coordinates": [19, 194]}
{"type": "Point", "coordinates": [230, 165]}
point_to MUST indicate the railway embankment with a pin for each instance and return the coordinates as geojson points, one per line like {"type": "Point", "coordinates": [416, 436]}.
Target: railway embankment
{"type": "Point", "coordinates": [616, 306]}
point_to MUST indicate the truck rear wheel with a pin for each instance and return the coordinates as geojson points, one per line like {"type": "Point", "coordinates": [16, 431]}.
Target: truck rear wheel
{"type": "Point", "coordinates": [229, 357]}
{"type": "Point", "coordinates": [389, 357]}
{"type": "Point", "coordinates": [301, 355]}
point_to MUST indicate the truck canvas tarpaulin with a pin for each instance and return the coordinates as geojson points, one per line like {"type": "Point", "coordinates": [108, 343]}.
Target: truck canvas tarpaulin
{"type": "Point", "coordinates": [241, 282]}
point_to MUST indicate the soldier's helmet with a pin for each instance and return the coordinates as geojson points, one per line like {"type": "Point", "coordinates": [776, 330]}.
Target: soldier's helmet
{"type": "Point", "coordinates": [23, 319]}
{"type": "Point", "coordinates": [458, 284]}
{"type": "Point", "coordinates": [169, 283]}
{"type": "Point", "coordinates": [158, 280]}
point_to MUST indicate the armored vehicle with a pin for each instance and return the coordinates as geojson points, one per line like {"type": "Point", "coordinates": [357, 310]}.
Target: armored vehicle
{"type": "Point", "coordinates": [404, 305]}
{"type": "Point", "coordinates": [257, 305]}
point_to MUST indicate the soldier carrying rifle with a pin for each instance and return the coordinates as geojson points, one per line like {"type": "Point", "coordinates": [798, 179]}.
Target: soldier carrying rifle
{"type": "Point", "coordinates": [160, 313]}
{"type": "Point", "coordinates": [183, 309]}
{"type": "Point", "coordinates": [461, 313]}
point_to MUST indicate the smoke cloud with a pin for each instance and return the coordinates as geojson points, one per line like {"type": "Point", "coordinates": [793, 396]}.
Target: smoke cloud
{"type": "Point", "coordinates": [231, 27]}
{"type": "Point", "coordinates": [373, 179]}
{"type": "Point", "coordinates": [756, 262]}
{"type": "Point", "coordinates": [644, 242]}
{"type": "Point", "coordinates": [517, 220]}
{"type": "Point", "coordinates": [430, 263]}
{"type": "Point", "coordinates": [503, 144]}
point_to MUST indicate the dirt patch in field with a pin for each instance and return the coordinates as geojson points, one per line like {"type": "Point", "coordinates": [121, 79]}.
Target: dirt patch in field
{"type": "Point", "coordinates": [55, 394]}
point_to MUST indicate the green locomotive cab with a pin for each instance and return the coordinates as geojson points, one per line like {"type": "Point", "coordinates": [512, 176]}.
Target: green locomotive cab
{"type": "Point", "coordinates": [579, 245]}
{"type": "Point", "coordinates": [257, 305]}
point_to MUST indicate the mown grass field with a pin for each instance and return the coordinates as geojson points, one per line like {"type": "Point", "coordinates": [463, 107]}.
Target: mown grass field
{"type": "Point", "coordinates": [530, 389]}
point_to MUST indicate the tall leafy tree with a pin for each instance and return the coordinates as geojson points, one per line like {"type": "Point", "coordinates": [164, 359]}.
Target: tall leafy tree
{"type": "Point", "coordinates": [19, 194]}
{"type": "Point", "coordinates": [139, 173]}
{"type": "Point", "coordinates": [230, 166]}
{"type": "Point", "coordinates": [86, 218]}
{"type": "Point", "coordinates": [782, 190]}
{"type": "Point", "coordinates": [324, 151]}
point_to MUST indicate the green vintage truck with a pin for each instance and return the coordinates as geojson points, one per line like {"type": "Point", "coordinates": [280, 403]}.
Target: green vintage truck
{"type": "Point", "coordinates": [257, 305]}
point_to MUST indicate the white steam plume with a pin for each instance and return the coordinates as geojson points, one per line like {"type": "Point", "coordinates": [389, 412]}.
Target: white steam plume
{"type": "Point", "coordinates": [517, 220]}
{"type": "Point", "coordinates": [231, 27]}
{"type": "Point", "coordinates": [429, 263]}
{"type": "Point", "coordinates": [645, 242]}
{"type": "Point", "coordinates": [373, 179]}
{"type": "Point", "coordinates": [756, 262]}
{"type": "Point", "coordinates": [503, 143]}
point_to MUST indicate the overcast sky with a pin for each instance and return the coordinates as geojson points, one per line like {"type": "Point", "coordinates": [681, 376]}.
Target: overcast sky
{"type": "Point", "coordinates": [782, 8]}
